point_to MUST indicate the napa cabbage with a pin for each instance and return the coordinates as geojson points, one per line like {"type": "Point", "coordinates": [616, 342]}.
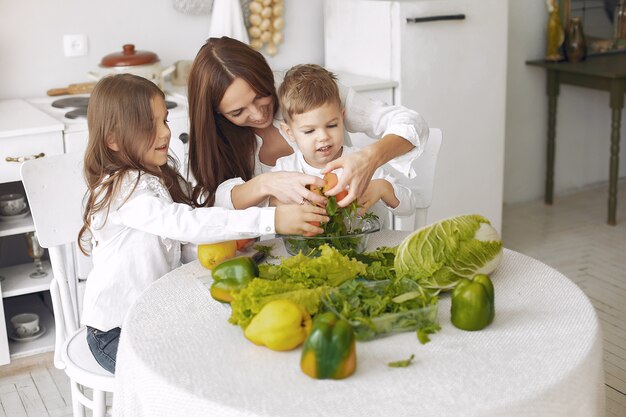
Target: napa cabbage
{"type": "Point", "coordinates": [440, 254]}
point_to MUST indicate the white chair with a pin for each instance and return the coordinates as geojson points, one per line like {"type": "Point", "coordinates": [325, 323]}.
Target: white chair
{"type": "Point", "coordinates": [422, 184]}
{"type": "Point", "coordinates": [55, 188]}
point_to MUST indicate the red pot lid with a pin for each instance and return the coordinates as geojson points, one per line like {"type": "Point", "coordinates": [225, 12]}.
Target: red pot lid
{"type": "Point", "coordinates": [129, 57]}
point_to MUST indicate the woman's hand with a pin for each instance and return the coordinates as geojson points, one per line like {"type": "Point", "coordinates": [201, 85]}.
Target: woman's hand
{"type": "Point", "coordinates": [300, 219]}
{"type": "Point", "coordinates": [358, 169]}
{"type": "Point", "coordinates": [290, 187]}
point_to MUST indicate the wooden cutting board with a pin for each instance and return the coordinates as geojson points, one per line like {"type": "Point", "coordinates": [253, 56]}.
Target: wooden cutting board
{"type": "Point", "coordinates": [80, 88]}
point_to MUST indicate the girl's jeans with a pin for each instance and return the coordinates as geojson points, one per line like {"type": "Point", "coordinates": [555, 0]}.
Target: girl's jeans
{"type": "Point", "coordinates": [103, 346]}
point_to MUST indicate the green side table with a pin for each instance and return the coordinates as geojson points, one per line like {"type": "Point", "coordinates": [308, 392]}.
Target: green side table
{"type": "Point", "coordinates": [606, 73]}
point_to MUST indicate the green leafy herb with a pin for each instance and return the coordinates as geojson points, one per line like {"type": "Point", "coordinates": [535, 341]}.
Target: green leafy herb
{"type": "Point", "coordinates": [424, 331]}
{"type": "Point", "coordinates": [379, 263]}
{"type": "Point", "coordinates": [372, 311]}
{"type": "Point", "coordinates": [266, 249]}
{"type": "Point", "coordinates": [344, 222]}
{"type": "Point", "coordinates": [401, 364]}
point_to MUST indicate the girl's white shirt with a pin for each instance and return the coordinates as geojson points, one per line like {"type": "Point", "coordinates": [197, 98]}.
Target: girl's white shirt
{"type": "Point", "coordinates": [139, 240]}
{"type": "Point", "coordinates": [374, 118]}
{"type": "Point", "coordinates": [406, 207]}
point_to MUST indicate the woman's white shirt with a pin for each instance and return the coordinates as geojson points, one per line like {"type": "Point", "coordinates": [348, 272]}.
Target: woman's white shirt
{"type": "Point", "coordinates": [139, 240]}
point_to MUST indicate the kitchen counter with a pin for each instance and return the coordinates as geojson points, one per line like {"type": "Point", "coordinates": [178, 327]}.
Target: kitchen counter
{"type": "Point", "coordinates": [19, 118]}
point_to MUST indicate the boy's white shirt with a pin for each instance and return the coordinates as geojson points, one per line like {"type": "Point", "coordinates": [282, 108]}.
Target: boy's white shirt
{"type": "Point", "coordinates": [297, 163]}
{"type": "Point", "coordinates": [141, 238]}
{"type": "Point", "coordinates": [374, 118]}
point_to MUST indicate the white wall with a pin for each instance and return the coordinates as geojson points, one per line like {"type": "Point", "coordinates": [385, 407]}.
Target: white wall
{"type": "Point", "coordinates": [583, 118]}
{"type": "Point", "coordinates": [31, 38]}
{"type": "Point", "coordinates": [31, 59]}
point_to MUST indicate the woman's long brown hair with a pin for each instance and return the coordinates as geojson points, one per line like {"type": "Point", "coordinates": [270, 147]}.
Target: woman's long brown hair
{"type": "Point", "coordinates": [120, 109]}
{"type": "Point", "coordinates": [218, 149]}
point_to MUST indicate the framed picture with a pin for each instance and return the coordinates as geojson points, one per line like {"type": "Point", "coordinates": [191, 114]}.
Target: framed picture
{"type": "Point", "coordinates": [604, 23]}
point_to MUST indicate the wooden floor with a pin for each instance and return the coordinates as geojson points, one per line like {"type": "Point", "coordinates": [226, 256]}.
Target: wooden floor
{"type": "Point", "coordinates": [572, 236]}
{"type": "Point", "coordinates": [32, 387]}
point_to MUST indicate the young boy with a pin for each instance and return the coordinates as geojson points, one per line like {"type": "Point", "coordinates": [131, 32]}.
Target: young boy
{"type": "Point", "coordinates": [313, 119]}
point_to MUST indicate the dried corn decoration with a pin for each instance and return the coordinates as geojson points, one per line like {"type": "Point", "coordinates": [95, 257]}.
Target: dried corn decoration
{"type": "Point", "coordinates": [266, 23]}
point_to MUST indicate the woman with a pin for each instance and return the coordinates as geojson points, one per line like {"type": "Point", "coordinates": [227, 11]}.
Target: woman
{"type": "Point", "coordinates": [234, 138]}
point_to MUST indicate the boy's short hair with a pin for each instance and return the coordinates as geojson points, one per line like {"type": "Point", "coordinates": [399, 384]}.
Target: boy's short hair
{"type": "Point", "coordinates": [307, 87]}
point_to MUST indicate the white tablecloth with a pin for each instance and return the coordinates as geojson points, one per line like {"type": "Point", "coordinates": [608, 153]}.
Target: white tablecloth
{"type": "Point", "coordinates": [542, 356]}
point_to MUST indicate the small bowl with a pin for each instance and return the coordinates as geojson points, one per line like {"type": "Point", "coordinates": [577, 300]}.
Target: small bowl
{"type": "Point", "coordinates": [309, 245]}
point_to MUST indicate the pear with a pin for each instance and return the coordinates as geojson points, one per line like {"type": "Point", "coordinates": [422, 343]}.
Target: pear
{"type": "Point", "coordinates": [280, 325]}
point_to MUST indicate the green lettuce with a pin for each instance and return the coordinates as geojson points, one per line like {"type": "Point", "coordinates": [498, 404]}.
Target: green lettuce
{"type": "Point", "coordinates": [438, 255]}
{"type": "Point", "coordinates": [249, 301]}
{"type": "Point", "coordinates": [299, 278]}
{"type": "Point", "coordinates": [329, 268]}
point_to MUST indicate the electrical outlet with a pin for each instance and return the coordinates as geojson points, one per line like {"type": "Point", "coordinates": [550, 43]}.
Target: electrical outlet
{"type": "Point", "coordinates": [75, 45]}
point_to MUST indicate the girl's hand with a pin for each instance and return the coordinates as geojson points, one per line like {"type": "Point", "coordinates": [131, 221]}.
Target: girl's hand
{"type": "Point", "coordinates": [290, 187]}
{"type": "Point", "coordinates": [358, 169]}
{"type": "Point", "coordinates": [300, 219]}
{"type": "Point", "coordinates": [377, 189]}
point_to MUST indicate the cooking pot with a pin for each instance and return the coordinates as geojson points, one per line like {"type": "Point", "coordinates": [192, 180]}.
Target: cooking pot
{"type": "Point", "coordinates": [130, 61]}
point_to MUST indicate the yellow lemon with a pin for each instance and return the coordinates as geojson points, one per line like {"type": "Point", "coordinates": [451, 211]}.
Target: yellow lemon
{"type": "Point", "coordinates": [212, 254]}
{"type": "Point", "coordinates": [280, 325]}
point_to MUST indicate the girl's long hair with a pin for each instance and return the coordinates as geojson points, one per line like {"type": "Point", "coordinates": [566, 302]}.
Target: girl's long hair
{"type": "Point", "coordinates": [120, 110]}
{"type": "Point", "coordinates": [218, 149]}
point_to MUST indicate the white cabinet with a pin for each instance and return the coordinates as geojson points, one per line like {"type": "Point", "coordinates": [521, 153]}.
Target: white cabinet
{"type": "Point", "coordinates": [448, 58]}
{"type": "Point", "coordinates": [25, 133]}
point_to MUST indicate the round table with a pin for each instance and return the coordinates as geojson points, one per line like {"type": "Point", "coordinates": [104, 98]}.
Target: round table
{"type": "Point", "coordinates": [542, 356]}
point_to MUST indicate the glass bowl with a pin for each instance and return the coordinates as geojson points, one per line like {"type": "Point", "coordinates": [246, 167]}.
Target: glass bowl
{"type": "Point", "coordinates": [356, 241]}
{"type": "Point", "coordinates": [385, 324]}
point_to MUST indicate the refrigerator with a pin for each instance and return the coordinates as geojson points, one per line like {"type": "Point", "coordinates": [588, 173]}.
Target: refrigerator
{"type": "Point", "coordinates": [448, 61]}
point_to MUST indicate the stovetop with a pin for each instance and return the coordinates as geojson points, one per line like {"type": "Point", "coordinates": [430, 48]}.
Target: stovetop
{"type": "Point", "coordinates": [72, 110]}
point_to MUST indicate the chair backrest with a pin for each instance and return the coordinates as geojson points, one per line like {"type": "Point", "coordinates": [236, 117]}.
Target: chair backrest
{"type": "Point", "coordinates": [55, 189]}
{"type": "Point", "coordinates": [423, 183]}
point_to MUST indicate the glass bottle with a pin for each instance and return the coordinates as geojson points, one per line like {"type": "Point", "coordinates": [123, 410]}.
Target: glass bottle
{"type": "Point", "coordinates": [619, 20]}
{"type": "Point", "coordinates": [576, 46]}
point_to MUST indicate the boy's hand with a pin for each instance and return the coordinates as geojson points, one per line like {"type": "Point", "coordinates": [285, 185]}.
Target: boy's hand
{"type": "Point", "coordinates": [377, 190]}
{"type": "Point", "coordinates": [295, 219]}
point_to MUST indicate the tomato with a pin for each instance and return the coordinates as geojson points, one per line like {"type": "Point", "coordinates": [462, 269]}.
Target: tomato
{"type": "Point", "coordinates": [332, 180]}
{"type": "Point", "coordinates": [212, 254]}
{"type": "Point", "coordinates": [243, 244]}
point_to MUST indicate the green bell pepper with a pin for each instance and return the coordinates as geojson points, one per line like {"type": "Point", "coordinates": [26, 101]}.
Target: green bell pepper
{"type": "Point", "coordinates": [329, 352]}
{"type": "Point", "coordinates": [473, 303]}
{"type": "Point", "coordinates": [233, 275]}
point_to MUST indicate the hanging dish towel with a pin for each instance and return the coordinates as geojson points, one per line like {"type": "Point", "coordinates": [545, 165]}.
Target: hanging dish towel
{"type": "Point", "coordinates": [227, 20]}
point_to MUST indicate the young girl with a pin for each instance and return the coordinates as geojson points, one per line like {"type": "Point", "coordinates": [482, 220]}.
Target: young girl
{"type": "Point", "coordinates": [137, 209]}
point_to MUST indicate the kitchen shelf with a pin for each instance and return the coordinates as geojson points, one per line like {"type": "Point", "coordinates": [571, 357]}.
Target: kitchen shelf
{"type": "Point", "coordinates": [18, 282]}
{"type": "Point", "coordinates": [14, 227]}
{"type": "Point", "coordinates": [31, 303]}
